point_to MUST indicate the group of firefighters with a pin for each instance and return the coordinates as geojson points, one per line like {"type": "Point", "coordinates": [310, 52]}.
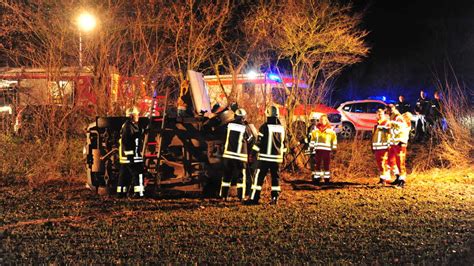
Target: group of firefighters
{"type": "Point", "coordinates": [266, 151]}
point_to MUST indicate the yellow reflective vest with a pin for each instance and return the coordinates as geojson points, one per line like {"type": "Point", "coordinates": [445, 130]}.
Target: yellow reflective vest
{"type": "Point", "coordinates": [323, 138]}
{"type": "Point", "coordinates": [400, 131]}
{"type": "Point", "coordinates": [381, 135]}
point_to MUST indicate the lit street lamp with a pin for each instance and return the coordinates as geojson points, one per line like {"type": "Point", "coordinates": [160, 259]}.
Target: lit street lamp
{"type": "Point", "coordinates": [86, 23]}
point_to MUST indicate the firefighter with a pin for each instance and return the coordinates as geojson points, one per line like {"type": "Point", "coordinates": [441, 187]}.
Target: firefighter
{"type": "Point", "coordinates": [130, 157]}
{"type": "Point", "coordinates": [381, 143]}
{"type": "Point", "coordinates": [270, 147]}
{"type": "Point", "coordinates": [325, 141]}
{"type": "Point", "coordinates": [401, 132]}
{"type": "Point", "coordinates": [238, 136]}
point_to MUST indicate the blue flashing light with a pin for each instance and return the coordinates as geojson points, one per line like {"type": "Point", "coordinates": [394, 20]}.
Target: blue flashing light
{"type": "Point", "coordinates": [274, 77]}
{"type": "Point", "coordinates": [384, 98]}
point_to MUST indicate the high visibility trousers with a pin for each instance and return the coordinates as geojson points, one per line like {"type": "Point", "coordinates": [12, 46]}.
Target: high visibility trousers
{"type": "Point", "coordinates": [260, 174]}
{"type": "Point", "coordinates": [323, 163]}
{"type": "Point", "coordinates": [400, 155]}
{"type": "Point", "coordinates": [131, 174]}
{"type": "Point", "coordinates": [235, 170]}
{"type": "Point", "coordinates": [312, 164]}
{"type": "Point", "coordinates": [392, 160]}
{"type": "Point", "coordinates": [381, 157]}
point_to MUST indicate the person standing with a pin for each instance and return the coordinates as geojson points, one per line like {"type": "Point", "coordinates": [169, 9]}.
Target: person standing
{"type": "Point", "coordinates": [401, 105]}
{"type": "Point", "coordinates": [238, 136]}
{"type": "Point", "coordinates": [436, 113]}
{"type": "Point", "coordinates": [401, 132]}
{"type": "Point", "coordinates": [381, 143]}
{"type": "Point", "coordinates": [325, 141]}
{"type": "Point", "coordinates": [394, 115]}
{"type": "Point", "coordinates": [270, 147]}
{"type": "Point", "coordinates": [130, 157]}
{"type": "Point", "coordinates": [310, 151]}
{"type": "Point", "coordinates": [422, 109]}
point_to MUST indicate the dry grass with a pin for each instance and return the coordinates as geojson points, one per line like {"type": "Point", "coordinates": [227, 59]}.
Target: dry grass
{"type": "Point", "coordinates": [37, 162]}
{"type": "Point", "coordinates": [352, 222]}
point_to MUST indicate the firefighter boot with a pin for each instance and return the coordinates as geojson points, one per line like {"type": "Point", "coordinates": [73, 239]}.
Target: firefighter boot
{"type": "Point", "coordinates": [275, 195]}
{"type": "Point", "coordinates": [240, 194]}
{"type": "Point", "coordinates": [401, 184]}
{"type": "Point", "coordinates": [316, 181]}
{"type": "Point", "coordinates": [224, 193]}
{"type": "Point", "coordinates": [396, 181]}
{"type": "Point", "coordinates": [274, 201]}
{"type": "Point", "coordinates": [254, 196]}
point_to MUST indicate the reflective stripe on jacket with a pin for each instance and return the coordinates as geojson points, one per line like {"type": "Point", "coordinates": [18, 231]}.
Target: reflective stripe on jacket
{"type": "Point", "coordinates": [324, 139]}
{"type": "Point", "coordinates": [237, 138]}
{"type": "Point", "coordinates": [381, 135]}
{"type": "Point", "coordinates": [271, 143]}
{"type": "Point", "coordinates": [400, 131]}
{"type": "Point", "coordinates": [130, 143]}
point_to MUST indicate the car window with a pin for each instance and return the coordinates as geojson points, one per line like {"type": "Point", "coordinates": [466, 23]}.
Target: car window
{"type": "Point", "coordinates": [347, 107]}
{"type": "Point", "coordinates": [359, 108]}
{"type": "Point", "coordinates": [373, 107]}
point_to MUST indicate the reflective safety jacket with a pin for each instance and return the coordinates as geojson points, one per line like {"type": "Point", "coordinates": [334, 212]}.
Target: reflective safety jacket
{"type": "Point", "coordinates": [323, 138]}
{"type": "Point", "coordinates": [270, 144]}
{"type": "Point", "coordinates": [381, 135]}
{"type": "Point", "coordinates": [400, 131]}
{"type": "Point", "coordinates": [130, 143]}
{"type": "Point", "coordinates": [238, 137]}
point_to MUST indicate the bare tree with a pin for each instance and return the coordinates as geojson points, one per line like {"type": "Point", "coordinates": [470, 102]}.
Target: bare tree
{"type": "Point", "coordinates": [316, 39]}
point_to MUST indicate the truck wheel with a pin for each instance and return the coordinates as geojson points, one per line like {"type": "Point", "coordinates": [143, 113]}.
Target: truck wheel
{"type": "Point", "coordinates": [348, 131]}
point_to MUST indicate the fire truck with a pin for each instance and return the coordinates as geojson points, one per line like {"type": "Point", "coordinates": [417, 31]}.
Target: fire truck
{"type": "Point", "coordinates": [268, 88]}
{"type": "Point", "coordinates": [28, 91]}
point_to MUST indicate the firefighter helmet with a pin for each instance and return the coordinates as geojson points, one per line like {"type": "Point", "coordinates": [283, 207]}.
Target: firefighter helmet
{"type": "Point", "coordinates": [215, 108]}
{"type": "Point", "coordinates": [240, 112]}
{"type": "Point", "coordinates": [226, 117]}
{"type": "Point", "coordinates": [132, 111]}
{"type": "Point", "coordinates": [272, 111]}
{"type": "Point", "coordinates": [234, 106]}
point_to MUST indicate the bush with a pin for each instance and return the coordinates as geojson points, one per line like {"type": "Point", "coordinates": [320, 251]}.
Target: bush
{"type": "Point", "coordinates": [37, 162]}
{"type": "Point", "coordinates": [452, 147]}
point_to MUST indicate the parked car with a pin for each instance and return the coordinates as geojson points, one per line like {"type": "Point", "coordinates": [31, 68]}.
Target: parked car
{"type": "Point", "coordinates": [359, 115]}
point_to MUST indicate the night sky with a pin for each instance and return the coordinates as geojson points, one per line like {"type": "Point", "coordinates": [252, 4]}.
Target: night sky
{"type": "Point", "coordinates": [413, 43]}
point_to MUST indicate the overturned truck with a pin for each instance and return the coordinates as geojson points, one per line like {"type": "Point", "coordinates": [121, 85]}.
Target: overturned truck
{"type": "Point", "coordinates": [181, 152]}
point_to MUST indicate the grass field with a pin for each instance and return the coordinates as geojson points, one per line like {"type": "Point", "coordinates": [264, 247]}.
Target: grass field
{"type": "Point", "coordinates": [353, 221]}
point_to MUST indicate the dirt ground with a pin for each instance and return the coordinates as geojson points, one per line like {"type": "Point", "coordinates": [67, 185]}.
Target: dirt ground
{"type": "Point", "coordinates": [431, 221]}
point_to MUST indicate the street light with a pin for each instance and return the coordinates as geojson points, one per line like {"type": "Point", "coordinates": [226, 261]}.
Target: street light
{"type": "Point", "coordinates": [86, 23]}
